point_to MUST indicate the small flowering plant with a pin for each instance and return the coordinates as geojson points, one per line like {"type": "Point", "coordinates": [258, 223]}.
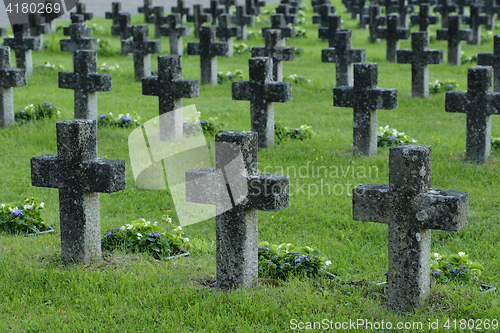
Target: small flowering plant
{"type": "Point", "coordinates": [281, 261]}
{"type": "Point", "coordinates": [495, 143]}
{"type": "Point", "coordinates": [442, 86]}
{"type": "Point", "coordinates": [294, 78]}
{"type": "Point", "coordinates": [241, 48]}
{"type": "Point", "coordinates": [387, 137]}
{"type": "Point", "coordinates": [123, 121]}
{"type": "Point", "coordinates": [466, 60]}
{"type": "Point", "coordinates": [37, 111]}
{"type": "Point", "coordinates": [229, 76]}
{"type": "Point", "coordinates": [455, 267]}
{"type": "Point", "coordinates": [300, 32]}
{"type": "Point", "coordinates": [210, 126]}
{"type": "Point", "coordinates": [25, 217]}
{"type": "Point", "coordinates": [48, 65]}
{"type": "Point", "coordinates": [282, 133]}
{"type": "Point", "coordinates": [146, 237]}
{"type": "Point", "coordinates": [104, 68]}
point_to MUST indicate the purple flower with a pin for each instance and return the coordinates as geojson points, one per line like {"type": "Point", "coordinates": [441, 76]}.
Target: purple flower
{"type": "Point", "coordinates": [203, 121]}
{"type": "Point", "coordinates": [297, 130]}
{"type": "Point", "coordinates": [102, 116]}
{"type": "Point", "coordinates": [450, 85]}
{"type": "Point", "coordinates": [276, 257]}
{"type": "Point", "coordinates": [299, 49]}
{"type": "Point", "coordinates": [126, 119]}
{"type": "Point", "coordinates": [287, 263]}
{"type": "Point", "coordinates": [301, 77]}
{"type": "Point", "coordinates": [185, 122]}
{"type": "Point", "coordinates": [454, 271]}
{"type": "Point", "coordinates": [22, 111]}
{"type": "Point", "coordinates": [297, 260]}
{"type": "Point", "coordinates": [270, 263]}
{"type": "Point", "coordinates": [155, 234]}
{"type": "Point", "coordinates": [111, 233]}
{"type": "Point", "coordinates": [229, 75]}
{"type": "Point", "coordinates": [17, 212]}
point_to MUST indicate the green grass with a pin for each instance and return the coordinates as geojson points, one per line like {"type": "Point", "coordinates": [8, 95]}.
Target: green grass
{"type": "Point", "coordinates": [130, 293]}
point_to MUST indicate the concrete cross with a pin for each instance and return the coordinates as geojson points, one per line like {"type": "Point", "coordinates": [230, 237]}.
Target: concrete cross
{"type": "Point", "coordinates": [479, 103]}
{"type": "Point", "coordinates": [392, 34]}
{"type": "Point", "coordinates": [238, 196]}
{"type": "Point", "coordinates": [22, 44]}
{"type": "Point", "coordinates": [491, 8]}
{"type": "Point", "coordinates": [228, 4]}
{"type": "Point", "coordinates": [411, 208]}
{"type": "Point", "coordinates": [242, 19]}
{"type": "Point", "coordinates": [215, 11]}
{"type": "Point", "coordinates": [276, 50]}
{"type": "Point", "coordinates": [37, 28]}
{"type": "Point", "coordinates": [365, 98]}
{"type": "Point", "coordinates": [253, 6]}
{"type": "Point", "coordinates": [50, 18]}
{"type": "Point", "coordinates": [402, 8]}
{"type": "Point", "coordinates": [79, 175]}
{"type": "Point", "coordinates": [158, 19]}
{"type": "Point", "coordinates": [445, 7]}
{"type": "Point", "coordinates": [262, 92]}
{"type": "Point", "coordinates": [420, 57]}
{"type": "Point", "coordinates": [226, 32]}
{"type": "Point", "coordinates": [328, 33]}
{"type": "Point", "coordinates": [475, 20]}
{"type": "Point", "coordinates": [124, 27]}
{"type": "Point", "coordinates": [81, 9]}
{"type": "Point", "coordinates": [373, 20]}
{"type": "Point", "coordinates": [285, 10]}
{"type": "Point", "coordinates": [175, 31]}
{"type": "Point", "coordinates": [278, 22]}
{"type": "Point", "coordinates": [453, 34]}
{"type": "Point", "coordinates": [343, 55]}
{"type": "Point", "coordinates": [9, 77]}
{"type": "Point", "coordinates": [388, 4]}
{"type": "Point", "coordinates": [198, 18]}
{"type": "Point", "coordinates": [85, 81]}
{"type": "Point", "coordinates": [493, 60]}
{"type": "Point", "coordinates": [323, 11]}
{"type": "Point", "coordinates": [142, 48]}
{"type": "Point", "coordinates": [170, 88]}
{"type": "Point", "coordinates": [147, 10]}
{"type": "Point", "coordinates": [182, 10]}
{"type": "Point", "coordinates": [208, 50]}
{"type": "Point", "coordinates": [114, 15]}
{"type": "Point", "coordinates": [78, 33]}
{"type": "Point", "coordinates": [424, 19]}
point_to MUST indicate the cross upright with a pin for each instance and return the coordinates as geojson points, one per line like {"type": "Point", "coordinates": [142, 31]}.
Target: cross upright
{"type": "Point", "coordinates": [328, 33]}
{"type": "Point", "coordinates": [79, 175]}
{"type": "Point", "coordinates": [411, 208]}
{"type": "Point", "coordinates": [114, 15]}
{"type": "Point", "coordinates": [475, 20]}
{"type": "Point", "coordinates": [491, 8]}
{"type": "Point", "coordinates": [424, 18]}
{"type": "Point", "coordinates": [142, 48]}
{"type": "Point", "coordinates": [215, 11]}
{"type": "Point", "coordinates": [323, 11]}
{"type": "Point", "coordinates": [242, 20]}
{"type": "Point", "coordinates": [402, 8]}
{"type": "Point", "coordinates": [78, 33]}
{"type": "Point", "coordinates": [262, 92]}
{"type": "Point", "coordinates": [228, 4]}
{"type": "Point", "coordinates": [445, 7]}
{"type": "Point", "coordinates": [237, 201]}
{"type": "Point", "coordinates": [365, 98]}
{"type": "Point", "coordinates": [9, 77]}
{"type": "Point", "coordinates": [198, 18]}
{"type": "Point", "coordinates": [81, 9]}
{"type": "Point", "coordinates": [159, 20]}
{"type": "Point", "coordinates": [388, 4]}
{"type": "Point", "coordinates": [170, 88]}
{"type": "Point", "coordinates": [453, 34]}
{"type": "Point", "coordinates": [274, 49]}
{"type": "Point", "coordinates": [22, 44]}
{"type": "Point", "coordinates": [278, 22]}
{"type": "Point", "coordinates": [392, 34]}
{"type": "Point", "coordinates": [175, 31]}
{"type": "Point", "coordinates": [285, 10]}
{"type": "Point", "coordinates": [124, 27]}
{"type": "Point", "coordinates": [182, 10]}
{"type": "Point", "coordinates": [3, 32]}
{"type": "Point", "coordinates": [374, 20]}
{"type": "Point", "coordinates": [147, 10]}
{"type": "Point", "coordinates": [343, 55]}
{"type": "Point", "coordinates": [479, 103]}
{"type": "Point", "coordinates": [358, 8]}
{"type": "Point", "coordinates": [226, 32]}
{"type": "Point", "coordinates": [420, 57]}
{"type": "Point", "coordinates": [37, 28]}
{"type": "Point", "coordinates": [493, 60]}
{"type": "Point", "coordinates": [84, 30]}
{"type": "Point", "coordinates": [208, 50]}
{"type": "Point", "coordinates": [85, 81]}
{"type": "Point", "coordinates": [253, 6]}
{"type": "Point", "coordinates": [50, 18]}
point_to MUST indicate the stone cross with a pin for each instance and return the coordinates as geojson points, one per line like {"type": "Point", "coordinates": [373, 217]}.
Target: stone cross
{"type": "Point", "coordinates": [479, 103]}
{"type": "Point", "coordinates": [420, 57]}
{"type": "Point", "coordinates": [242, 20]}
{"type": "Point", "coordinates": [78, 33]}
{"type": "Point", "coordinates": [278, 22]}
{"type": "Point", "coordinates": [158, 19]}
{"type": "Point", "coordinates": [226, 32]}
{"type": "Point", "coordinates": [3, 32]}
{"type": "Point", "coordinates": [228, 4]}
{"type": "Point", "coordinates": [424, 18]}
{"type": "Point", "coordinates": [124, 27]}
{"type": "Point", "coordinates": [237, 206]}
{"type": "Point", "coordinates": [253, 6]}
{"type": "Point", "coordinates": [85, 81]}
{"type": "Point", "coordinates": [374, 20]}
{"type": "Point", "coordinates": [392, 34]}
{"type": "Point", "coordinates": [365, 98]}
{"type": "Point", "coordinates": [37, 28]}
{"type": "Point", "coordinates": [323, 11]}
{"type": "Point", "coordinates": [214, 11]}
{"type": "Point", "coordinates": [402, 8]}
{"type": "Point", "coordinates": [285, 10]}
{"type": "Point", "coordinates": [198, 18]}
{"type": "Point", "coordinates": [175, 31]}
{"type": "Point", "coordinates": [79, 175]}
{"type": "Point", "coordinates": [445, 7]}
{"type": "Point", "coordinates": [182, 10]}
{"type": "Point", "coordinates": [208, 50]}
{"type": "Point", "coordinates": [114, 15]}
{"type": "Point", "coordinates": [358, 12]}
{"type": "Point", "coordinates": [147, 10]}
{"type": "Point", "coordinates": [9, 77]}
{"type": "Point", "coordinates": [50, 18]}
{"type": "Point", "coordinates": [170, 88]}
{"type": "Point", "coordinates": [274, 49]}
{"type": "Point", "coordinates": [343, 55]}
{"type": "Point", "coordinates": [411, 208]}
{"type": "Point", "coordinates": [491, 8]}
{"type": "Point", "coordinates": [81, 9]}
{"type": "Point", "coordinates": [22, 44]}
{"type": "Point", "coordinates": [262, 92]}
{"type": "Point", "coordinates": [475, 20]}
{"type": "Point", "coordinates": [453, 34]}
{"type": "Point", "coordinates": [493, 60]}
{"type": "Point", "coordinates": [388, 4]}
{"type": "Point", "coordinates": [142, 48]}
{"type": "Point", "coordinates": [328, 33]}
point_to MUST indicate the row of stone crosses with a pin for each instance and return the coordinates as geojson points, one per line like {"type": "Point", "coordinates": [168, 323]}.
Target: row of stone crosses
{"type": "Point", "coordinates": [408, 204]}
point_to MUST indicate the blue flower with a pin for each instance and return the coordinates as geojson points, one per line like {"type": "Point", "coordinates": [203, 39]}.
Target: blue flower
{"type": "Point", "coordinates": [297, 260]}
{"type": "Point", "coordinates": [17, 212]}
{"type": "Point", "coordinates": [299, 49]}
{"type": "Point", "coordinates": [111, 233]}
{"type": "Point", "coordinates": [229, 75]}
{"type": "Point", "coordinates": [22, 111]}
{"type": "Point", "coordinates": [126, 119]}
{"type": "Point", "coordinates": [270, 263]}
{"type": "Point", "coordinates": [454, 271]}
{"type": "Point", "coordinates": [276, 257]}
{"type": "Point", "coordinates": [102, 116]}
{"type": "Point", "coordinates": [185, 122]}
{"type": "Point", "coordinates": [301, 77]}
{"type": "Point", "coordinates": [450, 85]}
{"type": "Point", "coordinates": [297, 130]}
{"type": "Point", "coordinates": [203, 121]}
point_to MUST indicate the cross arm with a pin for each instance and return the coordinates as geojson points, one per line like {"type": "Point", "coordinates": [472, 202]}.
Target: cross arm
{"type": "Point", "coordinates": [241, 90]}
{"type": "Point", "coordinates": [493, 103]}
{"type": "Point", "coordinates": [104, 175]}
{"type": "Point", "coordinates": [259, 51]}
{"type": "Point", "coordinates": [287, 32]}
{"type": "Point", "coordinates": [193, 48]}
{"type": "Point", "coordinates": [201, 185]}
{"type": "Point", "coordinates": [433, 57]}
{"type": "Point", "coordinates": [152, 46]}
{"type": "Point", "coordinates": [381, 20]}
{"type": "Point", "coordinates": [384, 98]}
{"type": "Point", "coordinates": [456, 101]}
{"type": "Point", "coordinates": [99, 82]}
{"type": "Point", "coordinates": [279, 92]}
{"type": "Point", "coordinates": [150, 86]}
{"type": "Point", "coordinates": [381, 33]}
{"type": "Point", "coordinates": [316, 19]}
{"type": "Point", "coordinates": [44, 171]}
{"type": "Point", "coordinates": [284, 53]}
{"type": "Point", "coordinates": [442, 209]}
{"type": "Point", "coordinates": [218, 49]}
{"type": "Point", "coordinates": [402, 33]}
{"type": "Point", "coordinates": [372, 203]}
{"type": "Point", "coordinates": [329, 55]}
{"type": "Point", "coordinates": [356, 55]}
{"type": "Point", "coordinates": [486, 59]}
{"type": "Point", "coordinates": [66, 80]}
{"type": "Point", "coordinates": [127, 46]}
{"type": "Point", "coordinates": [343, 97]}
{"type": "Point", "coordinates": [186, 88]}
{"type": "Point", "coordinates": [485, 19]}
{"type": "Point", "coordinates": [404, 56]}
{"type": "Point", "coordinates": [248, 20]}
{"type": "Point", "coordinates": [442, 34]}
{"type": "Point", "coordinates": [268, 192]}
{"type": "Point", "coordinates": [13, 77]}
{"type": "Point", "coordinates": [434, 19]}
{"type": "Point", "coordinates": [465, 34]}
{"type": "Point", "coordinates": [184, 31]}
{"type": "Point", "coordinates": [323, 33]}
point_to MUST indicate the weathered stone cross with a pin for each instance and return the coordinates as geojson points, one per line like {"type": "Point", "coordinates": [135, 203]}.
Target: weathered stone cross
{"type": "Point", "coordinates": [79, 175]}
{"type": "Point", "coordinates": [453, 34]}
{"type": "Point", "coordinates": [81, 9]}
{"type": "Point", "coordinates": [9, 77]}
{"type": "Point", "coordinates": [225, 31]}
{"type": "Point", "coordinates": [424, 19]}
{"type": "Point", "coordinates": [78, 32]}
{"type": "Point", "coordinates": [334, 23]}
{"type": "Point", "coordinates": [323, 11]}
{"type": "Point", "coordinates": [198, 18]}
{"type": "Point", "coordinates": [214, 11]}
{"type": "Point", "coordinates": [278, 22]}
{"type": "Point", "coordinates": [242, 19]}
{"type": "Point", "coordinates": [114, 15]}
{"type": "Point", "coordinates": [475, 20]}
{"type": "Point", "coordinates": [182, 10]}
{"type": "Point", "coordinates": [237, 201]}
{"type": "Point", "coordinates": [22, 44]}
{"type": "Point", "coordinates": [392, 34]}
{"type": "Point", "coordinates": [159, 20]}
{"type": "Point", "coordinates": [124, 27]}
{"type": "Point", "coordinates": [445, 7]}
{"type": "Point", "coordinates": [285, 10]}
{"type": "Point", "coordinates": [175, 31]}
{"type": "Point", "coordinates": [147, 10]}
{"type": "Point", "coordinates": [493, 60]}
{"type": "Point", "coordinates": [373, 20]}
{"type": "Point", "coordinates": [402, 8]}
{"type": "Point", "coordinates": [37, 28]}
{"type": "Point", "coordinates": [142, 48]}
{"type": "Point", "coordinates": [411, 208]}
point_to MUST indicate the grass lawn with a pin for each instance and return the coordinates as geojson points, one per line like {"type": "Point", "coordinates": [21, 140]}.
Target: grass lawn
{"type": "Point", "coordinates": [134, 293]}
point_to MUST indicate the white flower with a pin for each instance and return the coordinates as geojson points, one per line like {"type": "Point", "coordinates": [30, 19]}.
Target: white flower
{"type": "Point", "coordinates": [144, 220]}
{"type": "Point", "coordinates": [42, 204]}
{"type": "Point", "coordinates": [13, 209]}
{"type": "Point", "coordinates": [120, 116]}
{"type": "Point", "coordinates": [461, 254]}
{"type": "Point", "coordinates": [2, 206]}
{"type": "Point", "coordinates": [139, 235]}
{"type": "Point", "coordinates": [147, 223]}
{"type": "Point", "coordinates": [437, 256]}
{"type": "Point", "coordinates": [28, 206]}
{"type": "Point", "coordinates": [58, 112]}
{"type": "Point", "coordinates": [186, 240]}
{"type": "Point", "coordinates": [155, 223]}
{"type": "Point", "coordinates": [130, 227]}
{"type": "Point", "coordinates": [123, 227]}
{"type": "Point", "coordinates": [328, 263]}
